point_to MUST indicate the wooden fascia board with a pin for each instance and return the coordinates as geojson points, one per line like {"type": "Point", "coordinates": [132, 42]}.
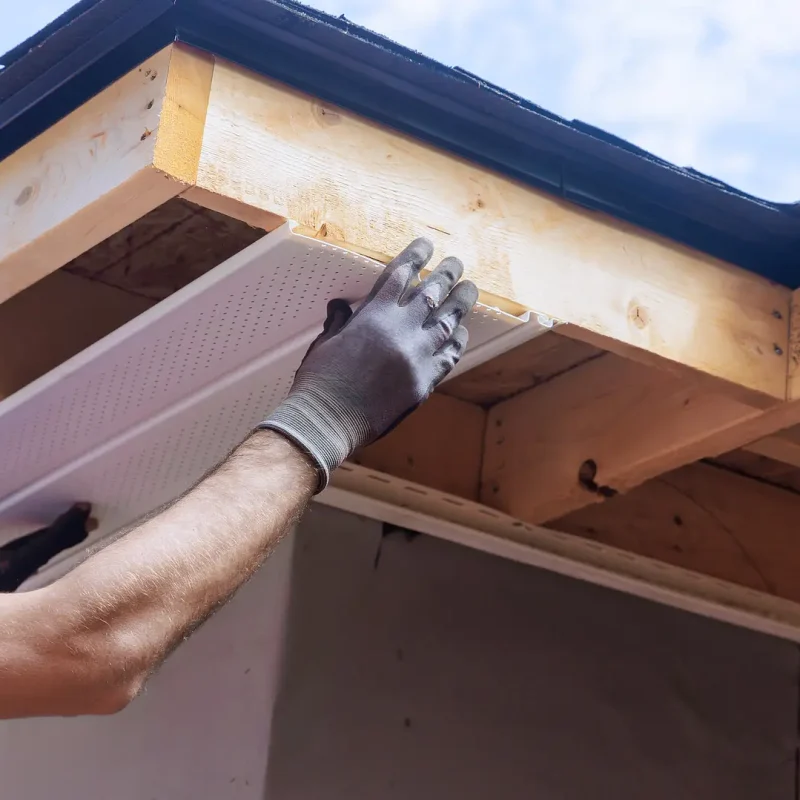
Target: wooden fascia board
{"type": "Point", "coordinates": [123, 153]}
{"type": "Point", "coordinates": [272, 150]}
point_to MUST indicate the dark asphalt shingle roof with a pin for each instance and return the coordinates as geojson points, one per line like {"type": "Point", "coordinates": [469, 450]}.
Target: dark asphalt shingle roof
{"type": "Point", "coordinates": [96, 41]}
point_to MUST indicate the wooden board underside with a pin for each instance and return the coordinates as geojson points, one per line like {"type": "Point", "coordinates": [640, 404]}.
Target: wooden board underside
{"type": "Point", "coordinates": [267, 147]}
{"type": "Point", "coordinates": [165, 250]}
{"type": "Point", "coordinates": [54, 319]}
{"type": "Point", "coordinates": [108, 285]}
{"type": "Point", "coordinates": [525, 367]}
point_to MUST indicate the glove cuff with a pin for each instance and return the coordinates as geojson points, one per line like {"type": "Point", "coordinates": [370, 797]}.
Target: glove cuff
{"type": "Point", "coordinates": [324, 428]}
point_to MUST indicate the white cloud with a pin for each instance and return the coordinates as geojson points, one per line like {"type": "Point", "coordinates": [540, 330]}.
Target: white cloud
{"type": "Point", "coordinates": [703, 83]}
{"type": "Point", "coordinates": [677, 72]}
{"type": "Point", "coordinates": [22, 21]}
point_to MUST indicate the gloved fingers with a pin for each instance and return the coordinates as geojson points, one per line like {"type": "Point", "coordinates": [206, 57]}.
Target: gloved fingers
{"type": "Point", "coordinates": [449, 354]}
{"type": "Point", "coordinates": [431, 292]}
{"type": "Point", "coordinates": [76, 513]}
{"type": "Point", "coordinates": [446, 319]}
{"type": "Point", "coordinates": [455, 346]}
{"type": "Point", "coordinates": [73, 526]}
{"type": "Point", "coordinates": [393, 282]}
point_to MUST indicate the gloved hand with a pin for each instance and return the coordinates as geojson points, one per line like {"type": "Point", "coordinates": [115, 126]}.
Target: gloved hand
{"type": "Point", "coordinates": [23, 557]}
{"type": "Point", "coordinates": [369, 369]}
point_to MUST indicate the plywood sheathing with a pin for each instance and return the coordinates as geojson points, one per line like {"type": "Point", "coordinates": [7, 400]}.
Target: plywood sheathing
{"type": "Point", "coordinates": [525, 367]}
{"type": "Point", "coordinates": [165, 250]}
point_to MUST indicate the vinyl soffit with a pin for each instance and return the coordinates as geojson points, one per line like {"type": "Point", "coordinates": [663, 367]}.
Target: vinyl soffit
{"type": "Point", "coordinates": [138, 417]}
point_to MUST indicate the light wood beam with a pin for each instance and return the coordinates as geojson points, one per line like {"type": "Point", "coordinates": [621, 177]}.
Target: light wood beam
{"type": "Point", "coordinates": [783, 446]}
{"type": "Point", "coordinates": [440, 445]}
{"type": "Point", "coordinates": [270, 149]}
{"type": "Point", "coordinates": [599, 430]}
{"type": "Point", "coordinates": [123, 153]}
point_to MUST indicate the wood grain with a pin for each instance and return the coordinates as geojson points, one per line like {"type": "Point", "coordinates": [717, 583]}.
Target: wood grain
{"type": "Point", "coordinates": [165, 250]}
{"type": "Point", "coordinates": [633, 422]}
{"type": "Point", "coordinates": [708, 520]}
{"type": "Point", "coordinates": [183, 113]}
{"type": "Point", "coordinates": [525, 367]}
{"type": "Point", "coordinates": [440, 446]}
{"type": "Point", "coordinates": [83, 179]}
{"type": "Point", "coordinates": [286, 153]}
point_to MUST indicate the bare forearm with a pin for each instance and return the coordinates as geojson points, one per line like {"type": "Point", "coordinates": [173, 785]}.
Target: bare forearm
{"type": "Point", "coordinates": [128, 605]}
{"type": "Point", "coordinates": [155, 584]}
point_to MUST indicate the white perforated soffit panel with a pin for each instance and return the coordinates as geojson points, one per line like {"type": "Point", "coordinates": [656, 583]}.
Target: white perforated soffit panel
{"type": "Point", "coordinates": [138, 417]}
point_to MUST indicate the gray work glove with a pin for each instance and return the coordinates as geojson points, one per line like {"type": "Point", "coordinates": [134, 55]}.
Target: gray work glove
{"type": "Point", "coordinates": [368, 370]}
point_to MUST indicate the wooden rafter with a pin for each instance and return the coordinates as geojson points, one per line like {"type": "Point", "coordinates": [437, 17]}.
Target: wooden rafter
{"type": "Point", "coordinates": [597, 431]}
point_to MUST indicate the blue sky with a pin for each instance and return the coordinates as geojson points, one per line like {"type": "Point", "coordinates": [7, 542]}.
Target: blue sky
{"type": "Point", "coordinates": [713, 84]}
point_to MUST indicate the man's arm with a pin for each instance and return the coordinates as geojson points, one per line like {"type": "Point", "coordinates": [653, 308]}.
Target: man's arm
{"type": "Point", "coordinates": [87, 643]}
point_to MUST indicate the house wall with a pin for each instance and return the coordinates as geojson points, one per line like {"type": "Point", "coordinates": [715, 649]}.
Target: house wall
{"type": "Point", "coordinates": [199, 731]}
{"type": "Point", "coordinates": [443, 673]}
{"type": "Point", "coordinates": [420, 669]}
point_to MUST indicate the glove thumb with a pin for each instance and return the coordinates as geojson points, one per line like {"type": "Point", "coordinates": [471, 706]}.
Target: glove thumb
{"type": "Point", "coordinates": [339, 313]}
